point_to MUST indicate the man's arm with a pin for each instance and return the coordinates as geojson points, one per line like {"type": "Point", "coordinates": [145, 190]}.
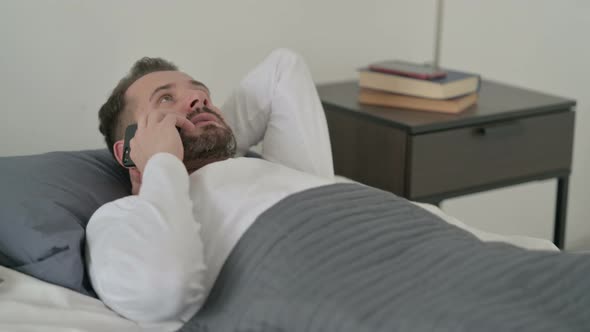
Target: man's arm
{"type": "Point", "coordinates": [145, 254]}
{"type": "Point", "coordinates": [277, 103]}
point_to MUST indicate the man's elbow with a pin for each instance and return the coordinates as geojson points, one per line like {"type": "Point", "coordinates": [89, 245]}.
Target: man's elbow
{"type": "Point", "coordinates": [162, 295]}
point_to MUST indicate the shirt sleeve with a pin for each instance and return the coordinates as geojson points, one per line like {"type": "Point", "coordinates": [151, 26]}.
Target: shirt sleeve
{"type": "Point", "coordinates": [144, 252]}
{"type": "Point", "coordinates": [277, 103]}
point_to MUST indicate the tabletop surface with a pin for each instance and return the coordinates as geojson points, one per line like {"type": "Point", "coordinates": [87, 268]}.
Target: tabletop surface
{"type": "Point", "coordinates": [497, 102]}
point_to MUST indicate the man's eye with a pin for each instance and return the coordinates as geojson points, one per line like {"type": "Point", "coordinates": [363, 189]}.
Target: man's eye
{"type": "Point", "coordinates": [165, 99]}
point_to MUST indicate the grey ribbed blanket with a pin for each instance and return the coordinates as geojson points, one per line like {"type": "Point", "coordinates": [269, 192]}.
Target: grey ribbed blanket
{"type": "Point", "coordinates": [347, 257]}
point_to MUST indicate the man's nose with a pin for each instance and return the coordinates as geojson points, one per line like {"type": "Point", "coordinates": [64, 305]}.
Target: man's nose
{"type": "Point", "coordinates": [197, 101]}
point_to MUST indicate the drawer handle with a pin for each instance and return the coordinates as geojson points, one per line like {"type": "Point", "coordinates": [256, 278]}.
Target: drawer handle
{"type": "Point", "coordinates": [502, 129]}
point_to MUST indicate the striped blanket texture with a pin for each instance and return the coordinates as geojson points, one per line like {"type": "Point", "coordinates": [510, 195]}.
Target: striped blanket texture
{"type": "Point", "coordinates": [347, 257]}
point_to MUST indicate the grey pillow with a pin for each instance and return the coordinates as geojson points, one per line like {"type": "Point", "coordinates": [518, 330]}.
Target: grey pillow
{"type": "Point", "coordinates": [46, 201]}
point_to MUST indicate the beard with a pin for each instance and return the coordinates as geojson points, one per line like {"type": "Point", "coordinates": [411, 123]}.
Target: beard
{"type": "Point", "coordinates": [214, 142]}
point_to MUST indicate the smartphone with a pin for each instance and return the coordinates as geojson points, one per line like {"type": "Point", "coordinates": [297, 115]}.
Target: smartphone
{"type": "Point", "coordinates": [129, 133]}
{"type": "Point", "coordinates": [424, 72]}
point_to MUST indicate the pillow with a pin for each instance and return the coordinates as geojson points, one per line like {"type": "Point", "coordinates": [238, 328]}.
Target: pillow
{"type": "Point", "coordinates": [46, 201]}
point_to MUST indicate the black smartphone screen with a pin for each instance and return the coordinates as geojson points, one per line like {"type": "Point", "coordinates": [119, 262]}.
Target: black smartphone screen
{"type": "Point", "coordinates": [129, 133]}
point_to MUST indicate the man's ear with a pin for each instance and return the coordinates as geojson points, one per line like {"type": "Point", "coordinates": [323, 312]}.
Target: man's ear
{"type": "Point", "coordinates": [118, 150]}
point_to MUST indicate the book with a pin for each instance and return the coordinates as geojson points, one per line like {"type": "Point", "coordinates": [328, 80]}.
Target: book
{"type": "Point", "coordinates": [454, 84]}
{"type": "Point", "coordinates": [380, 98]}
{"type": "Point", "coordinates": [409, 69]}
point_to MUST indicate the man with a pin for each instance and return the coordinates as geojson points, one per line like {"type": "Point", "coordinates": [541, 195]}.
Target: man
{"type": "Point", "coordinates": [155, 256]}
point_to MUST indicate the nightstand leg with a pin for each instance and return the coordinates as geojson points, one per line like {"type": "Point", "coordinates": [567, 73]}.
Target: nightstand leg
{"type": "Point", "coordinates": [560, 211]}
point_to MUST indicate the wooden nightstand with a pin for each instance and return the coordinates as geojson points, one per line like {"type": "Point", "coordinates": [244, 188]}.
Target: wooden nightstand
{"type": "Point", "coordinates": [511, 136]}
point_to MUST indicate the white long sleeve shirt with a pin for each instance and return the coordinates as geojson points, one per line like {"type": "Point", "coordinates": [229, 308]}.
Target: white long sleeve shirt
{"type": "Point", "coordinates": [154, 257]}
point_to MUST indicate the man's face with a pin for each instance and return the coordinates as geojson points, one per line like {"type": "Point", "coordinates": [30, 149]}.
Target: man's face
{"type": "Point", "coordinates": [176, 92]}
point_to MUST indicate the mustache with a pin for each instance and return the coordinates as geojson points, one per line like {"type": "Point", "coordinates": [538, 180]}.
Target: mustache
{"type": "Point", "coordinates": [204, 109]}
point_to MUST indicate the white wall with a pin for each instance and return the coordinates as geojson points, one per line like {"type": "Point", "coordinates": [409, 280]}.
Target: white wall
{"type": "Point", "coordinates": [59, 60]}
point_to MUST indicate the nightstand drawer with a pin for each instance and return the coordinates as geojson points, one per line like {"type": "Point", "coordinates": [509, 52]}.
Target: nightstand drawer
{"type": "Point", "coordinates": [451, 160]}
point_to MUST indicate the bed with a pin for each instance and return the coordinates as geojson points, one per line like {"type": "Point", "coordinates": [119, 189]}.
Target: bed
{"type": "Point", "coordinates": [46, 201]}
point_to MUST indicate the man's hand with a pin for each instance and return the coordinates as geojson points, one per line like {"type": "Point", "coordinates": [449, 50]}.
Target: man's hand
{"type": "Point", "coordinates": [158, 132]}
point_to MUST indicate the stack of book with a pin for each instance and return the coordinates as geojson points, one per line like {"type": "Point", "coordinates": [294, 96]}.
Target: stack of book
{"type": "Point", "coordinates": [450, 92]}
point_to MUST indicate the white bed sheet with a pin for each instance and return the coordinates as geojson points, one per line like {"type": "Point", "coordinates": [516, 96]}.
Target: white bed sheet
{"type": "Point", "coordinates": [525, 242]}
{"type": "Point", "coordinates": [30, 305]}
